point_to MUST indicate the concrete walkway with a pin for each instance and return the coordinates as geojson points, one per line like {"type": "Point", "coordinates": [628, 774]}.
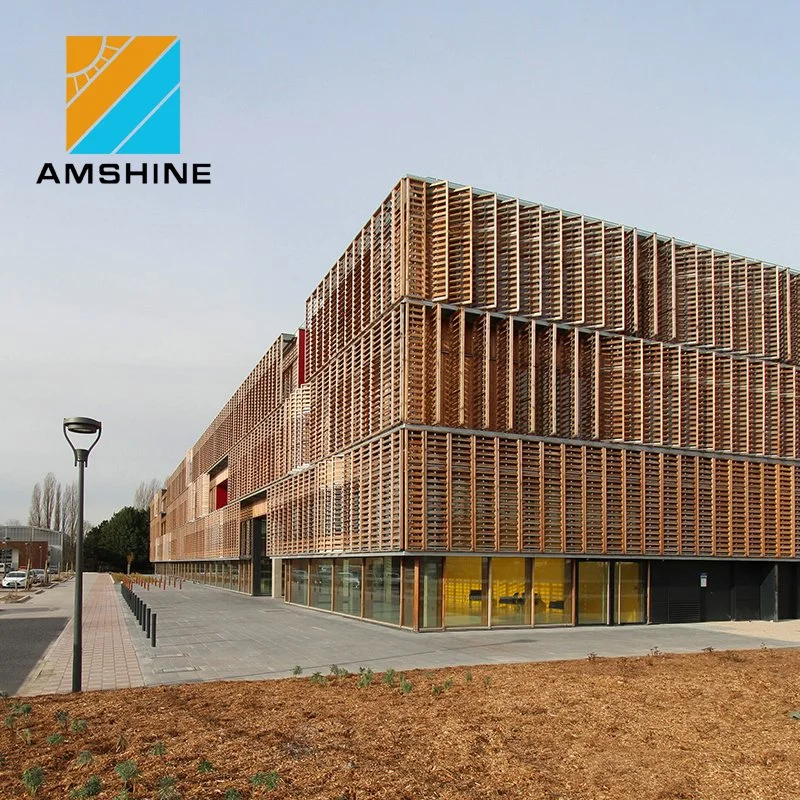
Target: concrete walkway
{"type": "Point", "coordinates": [209, 634]}
{"type": "Point", "coordinates": [109, 661]}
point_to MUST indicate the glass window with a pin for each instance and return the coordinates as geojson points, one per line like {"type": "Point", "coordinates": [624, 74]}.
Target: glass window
{"type": "Point", "coordinates": [592, 592]}
{"type": "Point", "coordinates": [348, 578]}
{"type": "Point", "coordinates": [382, 589]}
{"type": "Point", "coordinates": [552, 591]}
{"type": "Point", "coordinates": [430, 585]}
{"type": "Point", "coordinates": [631, 594]}
{"type": "Point", "coordinates": [266, 577]}
{"type": "Point", "coordinates": [409, 584]}
{"type": "Point", "coordinates": [465, 590]}
{"type": "Point", "coordinates": [320, 582]}
{"type": "Point", "coordinates": [511, 596]}
{"type": "Point", "coordinates": [298, 589]}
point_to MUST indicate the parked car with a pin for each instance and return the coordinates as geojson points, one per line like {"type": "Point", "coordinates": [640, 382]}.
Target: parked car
{"type": "Point", "coordinates": [38, 575]}
{"type": "Point", "coordinates": [15, 580]}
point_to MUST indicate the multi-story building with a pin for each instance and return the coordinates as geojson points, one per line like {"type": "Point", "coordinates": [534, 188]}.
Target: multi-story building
{"type": "Point", "coordinates": [499, 413]}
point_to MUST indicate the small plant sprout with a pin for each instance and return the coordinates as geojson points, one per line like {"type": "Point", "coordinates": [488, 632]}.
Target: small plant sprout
{"type": "Point", "coordinates": [205, 766]}
{"type": "Point", "coordinates": [591, 658]}
{"type": "Point", "coordinates": [55, 739]}
{"type": "Point", "coordinates": [91, 788]}
{"type": "Point", "coordinates": [298, 670]}
{"type": "Point", "coordinates": [233, 794]}
{"type": "Point", "coordinates": [319, 678]}
{"type": "Point", "coordinates": [84, 758]}
{"type": "Point", "coordinates": [122, 743]}
{"type": "Point", "coordinates": [448, 684]}
{"type": "Point", "coordinates": [437, 689]}
{"type": "Point", "coordinates": [405, 685]}
{"type": "Point", "coordinates": [21, 709]}
{"type": "Point", "coordinates": [26, 736]}
{"type": "Point", "coordinates": [78, 725]}
{"type": "Point", "coordinates": [62, 717]}
{"type": "Point", "coordinates": [158, 749]}
{"type": "Point", "coordinates": [10, 721]}
{"type": "Point", "coordinates": [268, 779]}
{"type": "Point", "coordinates": [468, 677]}
{"type": "Point", "coordinates": [365, 677]}
{"type": "Point", "coordinates": [166, 788]}
{"type": "Point", "coordinates": [487, 681]}
{"type": "Point", "coordinates": [388, 677]}
{"type": "Point", "coordinates": [128, 772]}
{"type": "Point", "coordinates": [32, 779]}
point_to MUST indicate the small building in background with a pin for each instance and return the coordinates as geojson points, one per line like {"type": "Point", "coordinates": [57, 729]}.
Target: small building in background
{"type": "Point", "coordinates": [22, 546]}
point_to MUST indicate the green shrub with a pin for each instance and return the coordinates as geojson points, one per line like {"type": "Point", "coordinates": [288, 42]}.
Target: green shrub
{"type": "Point", "coordinates": [405, 685]}
{"type": "Point", "coordinates": [32, 779]}
{"type": "Point", "coordinates": [232, 794]}
{"type": "Point", "coordinates": [62, 717]}
{"type": "Point", "coordinates": [158, 749]}
{"type": "Point", "coordinates": [128, 772]}
{"type": "Point", "coordinates": [91, 788]}
{"type": "Point", "coordinates": [388, 677]}
{"type": "Point", "coordinates": [84, 758]}
{"type": "Point", "coordinates": [78, 725]}
{"type": "Point", "coordinates": [268, 779]}
{"type": "Point", "coordinates": [205, 766]}
{"type": "Point", "coordinates": [55, 739]}
{"type": "Point", "coordinates": [365, 677]}
{"type": "Point", "coordinates": [298, 670]}
{"type": "Point", "coordinates": [166, 788]}
{"type": "Point", "coordinates": [319, 678]}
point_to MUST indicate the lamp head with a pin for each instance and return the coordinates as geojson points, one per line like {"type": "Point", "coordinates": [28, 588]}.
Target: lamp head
{"type": "Point", "coordinates": [82, 426]}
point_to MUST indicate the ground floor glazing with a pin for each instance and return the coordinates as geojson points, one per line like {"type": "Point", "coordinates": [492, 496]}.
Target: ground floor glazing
{"type": "Point", "coordinates": [469, 591]}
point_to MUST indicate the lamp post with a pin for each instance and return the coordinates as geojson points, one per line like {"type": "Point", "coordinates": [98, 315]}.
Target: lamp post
{"type": "Point", "coordinates": [89, 427]}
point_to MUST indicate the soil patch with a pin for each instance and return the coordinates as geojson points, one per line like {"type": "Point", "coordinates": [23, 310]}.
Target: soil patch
{"type": "Point", "coordinates": [711, 726]}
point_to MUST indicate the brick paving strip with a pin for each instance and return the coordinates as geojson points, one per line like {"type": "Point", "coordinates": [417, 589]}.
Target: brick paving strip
{"type": "Point", "coordinates": [109, 660]}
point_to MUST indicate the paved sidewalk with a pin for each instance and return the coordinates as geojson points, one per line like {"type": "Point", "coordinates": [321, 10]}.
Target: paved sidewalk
{"type": "Point", "coordinates": [109, 661]}
{"type": "Point", "coordinates": [207, 634]}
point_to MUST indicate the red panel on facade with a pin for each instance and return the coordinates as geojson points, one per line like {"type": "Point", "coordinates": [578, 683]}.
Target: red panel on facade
{"type": "Point", "coordinates": [222, 495]}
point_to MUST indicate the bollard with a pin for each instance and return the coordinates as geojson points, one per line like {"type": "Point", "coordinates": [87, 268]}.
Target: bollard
{"type": "Point", "coordinates": [153, 632]}
{"type": "Point", "coordinates": [147, 629]}
{"type": "Point", "coordinates": [145, 612]}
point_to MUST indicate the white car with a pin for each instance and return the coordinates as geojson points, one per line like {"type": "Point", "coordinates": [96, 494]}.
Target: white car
{"type": "Point", "coordinates": [15, 580]}
{"type": "Point", "coordinates": [38, 575]}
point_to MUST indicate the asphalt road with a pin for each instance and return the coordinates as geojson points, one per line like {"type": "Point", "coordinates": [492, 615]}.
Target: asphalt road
{"type": "Point", "coordinates": [28, 629]}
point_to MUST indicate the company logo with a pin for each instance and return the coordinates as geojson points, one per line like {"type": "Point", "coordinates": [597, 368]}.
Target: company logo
{"type": "Point", "coordinates": [123, 95]}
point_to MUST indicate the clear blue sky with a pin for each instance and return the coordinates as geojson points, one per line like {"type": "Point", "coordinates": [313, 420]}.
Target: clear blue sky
{"type": "Point", "coordinates": [146, 306]}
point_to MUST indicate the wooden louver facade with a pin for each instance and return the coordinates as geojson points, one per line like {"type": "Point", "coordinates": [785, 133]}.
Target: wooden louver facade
{"type": "Point", "coordinates": [479, 374]}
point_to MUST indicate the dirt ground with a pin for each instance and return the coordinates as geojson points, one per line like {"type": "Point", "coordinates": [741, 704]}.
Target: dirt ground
{"type": "Point", "coordinates": [712, 725]}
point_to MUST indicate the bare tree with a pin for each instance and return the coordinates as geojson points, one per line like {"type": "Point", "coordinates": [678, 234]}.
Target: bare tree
{"type": "Point", "coordinates": [13, 523]}
{"type": "Point", "coordinates": [69, 509]}
{"type": "Point", "coordinates": [35, 512]}
{"type": "Point", "coordinates": [57, 511]}
{"type": "Point", "coordinates": [144, 494]}
{"type": "Point", "coordinates": [49, 485]}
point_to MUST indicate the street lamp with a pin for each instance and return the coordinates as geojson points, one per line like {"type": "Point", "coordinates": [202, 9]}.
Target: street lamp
{"type": "Point", "coordinates": [88, 427]}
